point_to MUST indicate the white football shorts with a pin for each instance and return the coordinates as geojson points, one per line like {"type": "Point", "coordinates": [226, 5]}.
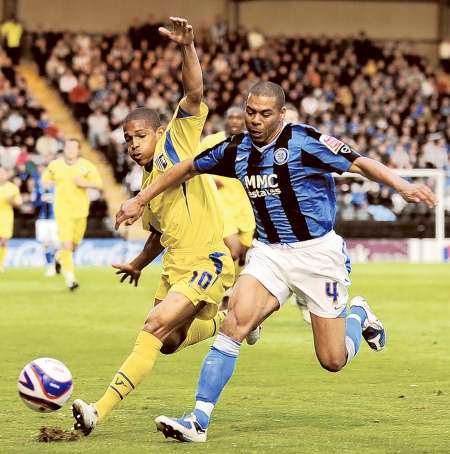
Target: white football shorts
{"type": "Point", "coordinates": [47, 232]}
{"type": "Point", "coordinates": [316, 271]}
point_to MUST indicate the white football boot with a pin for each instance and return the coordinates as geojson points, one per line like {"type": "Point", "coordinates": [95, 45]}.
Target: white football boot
{"type": "Point", "coordinates": [85, 415]}
{"type": "Point", "coordinates": [372, 329]}
{"type": "Point", "coordinates": [185, 429]}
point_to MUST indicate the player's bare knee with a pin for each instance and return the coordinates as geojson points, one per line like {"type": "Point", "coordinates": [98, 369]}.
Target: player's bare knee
{"type": "Point", "coordinates": [156, 325]}
{"type": "Point", "coordinates": [332, 363]}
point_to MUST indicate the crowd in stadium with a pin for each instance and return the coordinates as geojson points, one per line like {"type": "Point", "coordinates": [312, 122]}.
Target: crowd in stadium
{"type": "Point", "coordinates": [28, 139]}
{"type": "Point", "coordinates": [383, 99]}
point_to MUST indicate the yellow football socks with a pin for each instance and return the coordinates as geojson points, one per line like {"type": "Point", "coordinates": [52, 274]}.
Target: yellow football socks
{"type": "Point", "coordinates": [131, 373]}
{"type": "Point", "coordinates": [3, 252]}
{"type": "Point", "coordinates": [65, 257]}
{"type": "Point", "coordinates": [202, 329]}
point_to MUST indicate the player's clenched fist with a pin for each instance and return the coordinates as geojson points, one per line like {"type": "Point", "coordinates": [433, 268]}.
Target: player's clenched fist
{"type": "Point", "coordinates": [182, 32]}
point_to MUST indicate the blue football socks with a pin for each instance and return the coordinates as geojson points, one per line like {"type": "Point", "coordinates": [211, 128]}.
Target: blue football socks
{"type": "Point", "coordinates": [217, 369]}
{"type": "Point", "coordinates": [353, 330]}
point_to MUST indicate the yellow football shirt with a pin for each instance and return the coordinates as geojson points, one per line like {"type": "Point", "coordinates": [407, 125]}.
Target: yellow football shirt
{"type": "Point", "coordinates": [71, 200]}
{"type": "Point", "coordinates": [8, 190]}
{"type": "Point", "coordinates": [237, 209]}
{"type": "Point", "coordinates": [187, 216]}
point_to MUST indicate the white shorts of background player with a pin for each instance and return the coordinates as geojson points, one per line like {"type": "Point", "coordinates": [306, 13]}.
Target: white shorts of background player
{"type": "Point", "coordinates": [47, 232]}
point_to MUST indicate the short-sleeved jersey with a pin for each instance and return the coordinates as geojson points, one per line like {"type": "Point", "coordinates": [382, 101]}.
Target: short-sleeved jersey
{"type": "Point", "coordinates": [187, 216]}
{"type": "Point", "coordinates": [8, 191]}
{"type": "Point", "coordinates": [71, 200]}
{"type": "Point", "coordinates": [233, 197]}
{"type": "Point", "coordinates": [288, 181]}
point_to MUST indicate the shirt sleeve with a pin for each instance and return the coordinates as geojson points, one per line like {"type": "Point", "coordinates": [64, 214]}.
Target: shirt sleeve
{"type": "Point", "coordinates": [220, 159]}
{"type": "Point", "coordinates": [182, 136]}
{"type": "Point", "coordinates": [327, 152]}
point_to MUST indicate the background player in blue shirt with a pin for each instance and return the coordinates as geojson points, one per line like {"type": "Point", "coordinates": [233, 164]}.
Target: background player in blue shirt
{"type": "Point", "coordinates": [286, 171]}
{"type": "Point", "coordinates": [46, 228]}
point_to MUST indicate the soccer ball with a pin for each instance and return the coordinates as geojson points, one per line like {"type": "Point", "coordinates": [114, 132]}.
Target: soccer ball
{"type": "Point", "coordinates": [45, 384]}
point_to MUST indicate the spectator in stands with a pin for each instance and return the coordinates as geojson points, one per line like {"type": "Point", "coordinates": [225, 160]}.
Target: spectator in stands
{"type": "Point", "coordinates": [11, 32]}
{"type": "Point", "coordinates": [98, 131]}
{"type": "Point", "coordinates": [435, 154]}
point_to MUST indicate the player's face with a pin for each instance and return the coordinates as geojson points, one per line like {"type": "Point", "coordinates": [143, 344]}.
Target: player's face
{"type": "Point", "coordinates": [71, 150]}
{"type": "Point", "coordinates": [263, 118]}
{"type": "Point", "coordinates": [141, 141]}
{"type": "Point", "coordinates": [236, 122]}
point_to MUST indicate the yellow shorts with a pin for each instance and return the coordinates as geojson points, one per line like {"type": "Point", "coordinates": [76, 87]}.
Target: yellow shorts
{"type": "Point", "coordinates": [71, 229]}
{"type": "Point", "coordinates": [6, 228]}
{"type": "Point", "coordinates": [200, 275]}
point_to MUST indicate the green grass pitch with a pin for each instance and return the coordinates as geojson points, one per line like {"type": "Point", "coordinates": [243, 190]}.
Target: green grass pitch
{"type": "Point", "coordinates": [280, 400]}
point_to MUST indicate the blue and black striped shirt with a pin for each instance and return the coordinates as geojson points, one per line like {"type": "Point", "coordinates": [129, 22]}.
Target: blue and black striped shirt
{"type": "Point", "coordinates": [289, 181]}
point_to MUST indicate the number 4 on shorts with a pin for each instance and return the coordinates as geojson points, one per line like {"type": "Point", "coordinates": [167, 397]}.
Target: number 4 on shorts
{"type": "Point", "coordinates": [331, 290]}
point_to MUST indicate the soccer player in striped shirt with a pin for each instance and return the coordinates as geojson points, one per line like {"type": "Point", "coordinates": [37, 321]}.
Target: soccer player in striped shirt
{"type": "Point", "coordinates": [286, 170]}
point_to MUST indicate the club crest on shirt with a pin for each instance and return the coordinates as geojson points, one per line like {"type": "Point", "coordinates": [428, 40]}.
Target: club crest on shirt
{"type": "Point", "coordinates": [334, 145]}
{"type": "Point", "coordinates": [281, 156]}
{"type": "Point", "coordinates": [161, 162]}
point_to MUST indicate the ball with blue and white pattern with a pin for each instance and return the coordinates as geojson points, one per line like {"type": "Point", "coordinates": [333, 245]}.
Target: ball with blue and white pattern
{"type": "Point", "coordinates": [45, 384]}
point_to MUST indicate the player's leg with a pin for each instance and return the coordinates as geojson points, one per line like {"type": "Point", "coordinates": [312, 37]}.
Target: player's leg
{"type": "Point", "coordinates": [66, 227]}
{"type": "Point", "coordinates": [3, 252]}
{"type": "Point", "coordinates": [250, 304]}
{"type": "Point", "coordinates": [337, 340]}
{"type": "Point", "coordinates": [166, 317]}
{"type": "Point", "coordinates": [321, 277]}
{"type": "Point", "coordinates": [6, 233]}
{"type": "Point", "coordinates": [44, 236]}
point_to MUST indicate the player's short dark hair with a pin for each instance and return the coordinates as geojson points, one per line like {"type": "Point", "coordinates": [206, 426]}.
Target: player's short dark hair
{"type": "Point", "coordinates": [151, 116]}
{"type": "Point", "coordinates": [270, 90]}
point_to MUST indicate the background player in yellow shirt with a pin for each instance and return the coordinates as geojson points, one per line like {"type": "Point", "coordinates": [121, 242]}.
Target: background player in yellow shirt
{"type": "Point", "coordinates": [9, 198]}
{"type": "Point", "coordinates": [72, 176]}
{"type": "Point", "coordinates": [187, 222]}
{"type": "Point", "coordinates": [239, 220]}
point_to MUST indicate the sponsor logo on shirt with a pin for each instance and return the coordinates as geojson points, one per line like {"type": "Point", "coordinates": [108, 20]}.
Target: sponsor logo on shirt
{"type": "Point", "coordinates": [334, 145]}
{"type": "Point", "coordinates": [261, 185]}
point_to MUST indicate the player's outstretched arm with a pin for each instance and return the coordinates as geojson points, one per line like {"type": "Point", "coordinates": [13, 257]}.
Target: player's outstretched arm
{"type": "Point", "coordinates": [152, 249]}
{"type": "Point", "coordinates": [183, 34]}
{"type": "Point", "coordinates": [376, 171]}
{"type": "Point", "coordinates": [131, 210]}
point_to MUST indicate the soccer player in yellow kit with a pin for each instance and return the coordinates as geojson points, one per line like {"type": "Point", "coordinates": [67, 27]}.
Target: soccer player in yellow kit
{"type": "Point", "coordinates": [239, 220]}
{"type": "Point", "coordinates": [9, 198]}
{"type": "Point", "coordinates": [72, 176]}
{"type": "Point", "coordinates": [187, 222]}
